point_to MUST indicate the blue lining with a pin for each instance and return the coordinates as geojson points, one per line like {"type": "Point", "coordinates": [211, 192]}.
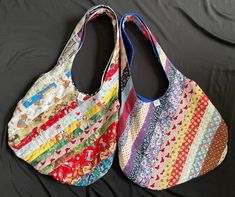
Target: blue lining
{"type": "Point", "coordinates": [128, 45]}
{"type": "Point", "coordinates": [127, 40]}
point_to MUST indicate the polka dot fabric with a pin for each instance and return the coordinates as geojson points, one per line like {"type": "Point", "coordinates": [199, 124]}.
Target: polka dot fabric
{"type": "Point", "coordinates": [172, 139]}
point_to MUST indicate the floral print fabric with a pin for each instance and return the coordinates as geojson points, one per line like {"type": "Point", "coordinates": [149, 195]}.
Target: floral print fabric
{"type": "Point", "coordinates": [63, 132]}
{"type": "Point", "coordinates": [172, 139]}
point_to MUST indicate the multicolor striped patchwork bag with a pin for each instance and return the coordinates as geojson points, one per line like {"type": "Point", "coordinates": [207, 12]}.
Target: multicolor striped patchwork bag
{"type": "Point", "coordinates": [61, 131]}
{"type": "Point", "coordinates": [172, 139]}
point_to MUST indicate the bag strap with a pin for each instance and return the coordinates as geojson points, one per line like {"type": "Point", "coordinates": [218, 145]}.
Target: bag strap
{"type": "Point", "coordinates": [133, 17]}
{"type": "Point", "coordinates": [77, 37]}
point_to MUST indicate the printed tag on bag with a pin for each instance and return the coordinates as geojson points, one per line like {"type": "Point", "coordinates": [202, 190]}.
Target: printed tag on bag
{"type": "Point", "coordinates": [175, 138]}
{"type": "Point", "coordinates": [157, 103]}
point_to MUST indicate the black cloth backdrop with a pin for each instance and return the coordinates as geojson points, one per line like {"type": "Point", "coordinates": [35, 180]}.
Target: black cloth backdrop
{"type": "Point", "coordinates": [198, 37]}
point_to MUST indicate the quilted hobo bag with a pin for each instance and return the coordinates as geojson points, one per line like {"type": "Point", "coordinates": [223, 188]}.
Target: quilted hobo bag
{"type": "Point", "coordinates": [61, 131]}
{"type": "Point", "coordinates": [169, 140]}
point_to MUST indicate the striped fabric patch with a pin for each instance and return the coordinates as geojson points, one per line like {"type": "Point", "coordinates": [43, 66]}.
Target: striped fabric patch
{"type": "Point", "coordinates": [63, 132]}
{"type": "Point", "coordinates": [181, 137]}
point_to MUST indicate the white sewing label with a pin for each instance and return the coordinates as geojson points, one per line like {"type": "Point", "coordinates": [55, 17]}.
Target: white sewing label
{"type": "Point", "coordinates": [157, 103]}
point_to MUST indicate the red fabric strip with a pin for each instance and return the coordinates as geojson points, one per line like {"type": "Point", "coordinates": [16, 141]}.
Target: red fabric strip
{"type": "Point", "coordinates": [188, 140]}
{"type": "Point", "coordinates": [36, 131]}
{"type": "Point", "coordinates": [129, 104]}
{"type": "Point", "coordinates": [89, 157]}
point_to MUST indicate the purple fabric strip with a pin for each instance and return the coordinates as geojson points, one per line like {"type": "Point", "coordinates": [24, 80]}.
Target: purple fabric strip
{"type": "Point", "coordinates": [136, 146]}
{"type": "Point", "coordinates": [167, 67]}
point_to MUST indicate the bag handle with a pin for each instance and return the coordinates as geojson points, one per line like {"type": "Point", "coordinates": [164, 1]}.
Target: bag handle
{"type": "Point", "coordinates": [133, 17]}
{"type": "Point", "coordinates": [77, 37]}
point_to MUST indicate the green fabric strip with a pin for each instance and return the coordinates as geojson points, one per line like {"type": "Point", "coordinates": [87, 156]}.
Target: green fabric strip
{"type": "Point", "coordinates": [61, 143]}
{"type": "Point", "coordinates": [85, 144]}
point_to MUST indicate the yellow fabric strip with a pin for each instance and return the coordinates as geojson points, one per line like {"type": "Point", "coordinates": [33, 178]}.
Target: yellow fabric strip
{"type": "Point", "coordinates": [156, 172]}
{"type": "Point", "coordinates": [43, 117]}
{"type": "Point", "coordinates": [180, 138]}
{"type": "Point", "coordinates": [48, 91]}
{"type": "Point", "coordinates": [30, 157]}
{"type": "Point", "coordinates": [196, 143]}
